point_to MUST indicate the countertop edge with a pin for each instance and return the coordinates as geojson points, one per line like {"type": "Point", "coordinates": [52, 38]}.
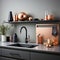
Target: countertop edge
{"type": "Point", "coordinates": [31, 50]}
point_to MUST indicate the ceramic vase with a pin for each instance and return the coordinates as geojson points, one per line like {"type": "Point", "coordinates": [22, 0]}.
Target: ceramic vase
{"type": "Point", "coordinates": [3, 38]}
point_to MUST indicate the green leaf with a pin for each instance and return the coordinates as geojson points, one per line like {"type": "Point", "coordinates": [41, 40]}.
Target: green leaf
{"type": "Point", "coordinates": [3, 29]}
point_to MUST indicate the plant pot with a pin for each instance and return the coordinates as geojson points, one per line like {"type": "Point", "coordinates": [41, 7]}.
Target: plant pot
{"type": "Point", "coordinates": [3, 38]}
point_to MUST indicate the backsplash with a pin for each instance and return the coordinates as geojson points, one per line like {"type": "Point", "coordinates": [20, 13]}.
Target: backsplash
{"type": "Point", "coordinates": [45, 32]}
{"type": "Point", "coordinates": [30, 31]}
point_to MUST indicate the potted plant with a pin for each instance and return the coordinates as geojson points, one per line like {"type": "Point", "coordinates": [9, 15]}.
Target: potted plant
{"type": "Point", "coordinates": [3, 30]}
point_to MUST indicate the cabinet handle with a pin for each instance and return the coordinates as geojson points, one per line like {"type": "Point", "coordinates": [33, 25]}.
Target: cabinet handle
{"type": "Point", "coordinates": [20, 59]}
{"type": "Point", "coordinates": [15, 54]}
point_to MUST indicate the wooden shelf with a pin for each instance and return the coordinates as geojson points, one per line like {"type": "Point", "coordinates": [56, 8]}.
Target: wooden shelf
{"type": "Point", "coordinates": [36, 22]}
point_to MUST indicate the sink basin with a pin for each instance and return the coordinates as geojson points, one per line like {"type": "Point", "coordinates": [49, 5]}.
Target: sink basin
{"type": "Point", "coordinates": [24, 45]}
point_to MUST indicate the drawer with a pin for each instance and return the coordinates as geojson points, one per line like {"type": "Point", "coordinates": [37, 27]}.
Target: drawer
{"type": "Point", "coordinates": [24, 55]}
{"type": "Point", "coordinates": [44, 56]}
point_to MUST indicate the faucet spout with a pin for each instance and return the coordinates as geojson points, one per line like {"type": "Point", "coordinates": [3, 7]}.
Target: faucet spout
{"type": "Point", "coordinates": [26, 41]}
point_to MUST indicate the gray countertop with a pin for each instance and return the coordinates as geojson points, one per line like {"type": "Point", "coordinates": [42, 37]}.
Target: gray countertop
{"type": "Point", "coordinates": [39, 48]}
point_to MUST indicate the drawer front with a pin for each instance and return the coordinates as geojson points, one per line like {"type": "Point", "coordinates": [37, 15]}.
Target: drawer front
{"type": "Point", "coordinates": [44, 56]}
{"type": "Point", "coordinates": [23, 55]}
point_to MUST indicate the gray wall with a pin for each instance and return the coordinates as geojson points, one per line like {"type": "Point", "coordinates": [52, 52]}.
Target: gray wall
{"type": "Point", "coordinates": [36, 8]}
{"type": "Point", "coordinates": [0, 10]}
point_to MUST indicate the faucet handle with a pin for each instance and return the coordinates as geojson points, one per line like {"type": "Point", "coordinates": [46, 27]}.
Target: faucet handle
{"type": "Point", "coordinates": [28, 38]}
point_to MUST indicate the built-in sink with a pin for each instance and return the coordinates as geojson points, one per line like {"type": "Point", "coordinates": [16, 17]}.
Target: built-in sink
{"type": "Point", "coordinates": [24, 45]}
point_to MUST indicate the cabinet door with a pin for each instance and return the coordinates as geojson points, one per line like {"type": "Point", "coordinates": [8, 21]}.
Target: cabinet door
{"type": "Point", "coordinates": [43, 56]}
{"type": "Point", "coordinates": [17, 54]}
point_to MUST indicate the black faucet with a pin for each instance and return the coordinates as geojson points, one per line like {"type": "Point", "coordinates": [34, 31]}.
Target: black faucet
{"type": "Point", "coordinates": [26, 39]}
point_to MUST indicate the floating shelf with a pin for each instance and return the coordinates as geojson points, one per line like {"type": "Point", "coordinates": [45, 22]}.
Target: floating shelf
{"type": "Point", "coordinates": [40, 22]}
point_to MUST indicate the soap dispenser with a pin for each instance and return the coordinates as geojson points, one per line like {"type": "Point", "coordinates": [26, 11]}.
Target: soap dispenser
{"type": "Point", "coordinates": [15, 38]}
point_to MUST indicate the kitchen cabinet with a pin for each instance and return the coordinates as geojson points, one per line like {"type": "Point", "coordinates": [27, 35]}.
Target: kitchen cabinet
{"type": "Point", "coordinates": [15, 54]}
{"type": "Point", "coordinates": [44, 56]}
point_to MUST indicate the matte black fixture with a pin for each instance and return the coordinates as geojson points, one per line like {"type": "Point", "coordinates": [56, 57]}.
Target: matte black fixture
{"type": "Point", "coordinates": [26, 41]}
{"type": "Point", "coordinates": [10, 16]}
